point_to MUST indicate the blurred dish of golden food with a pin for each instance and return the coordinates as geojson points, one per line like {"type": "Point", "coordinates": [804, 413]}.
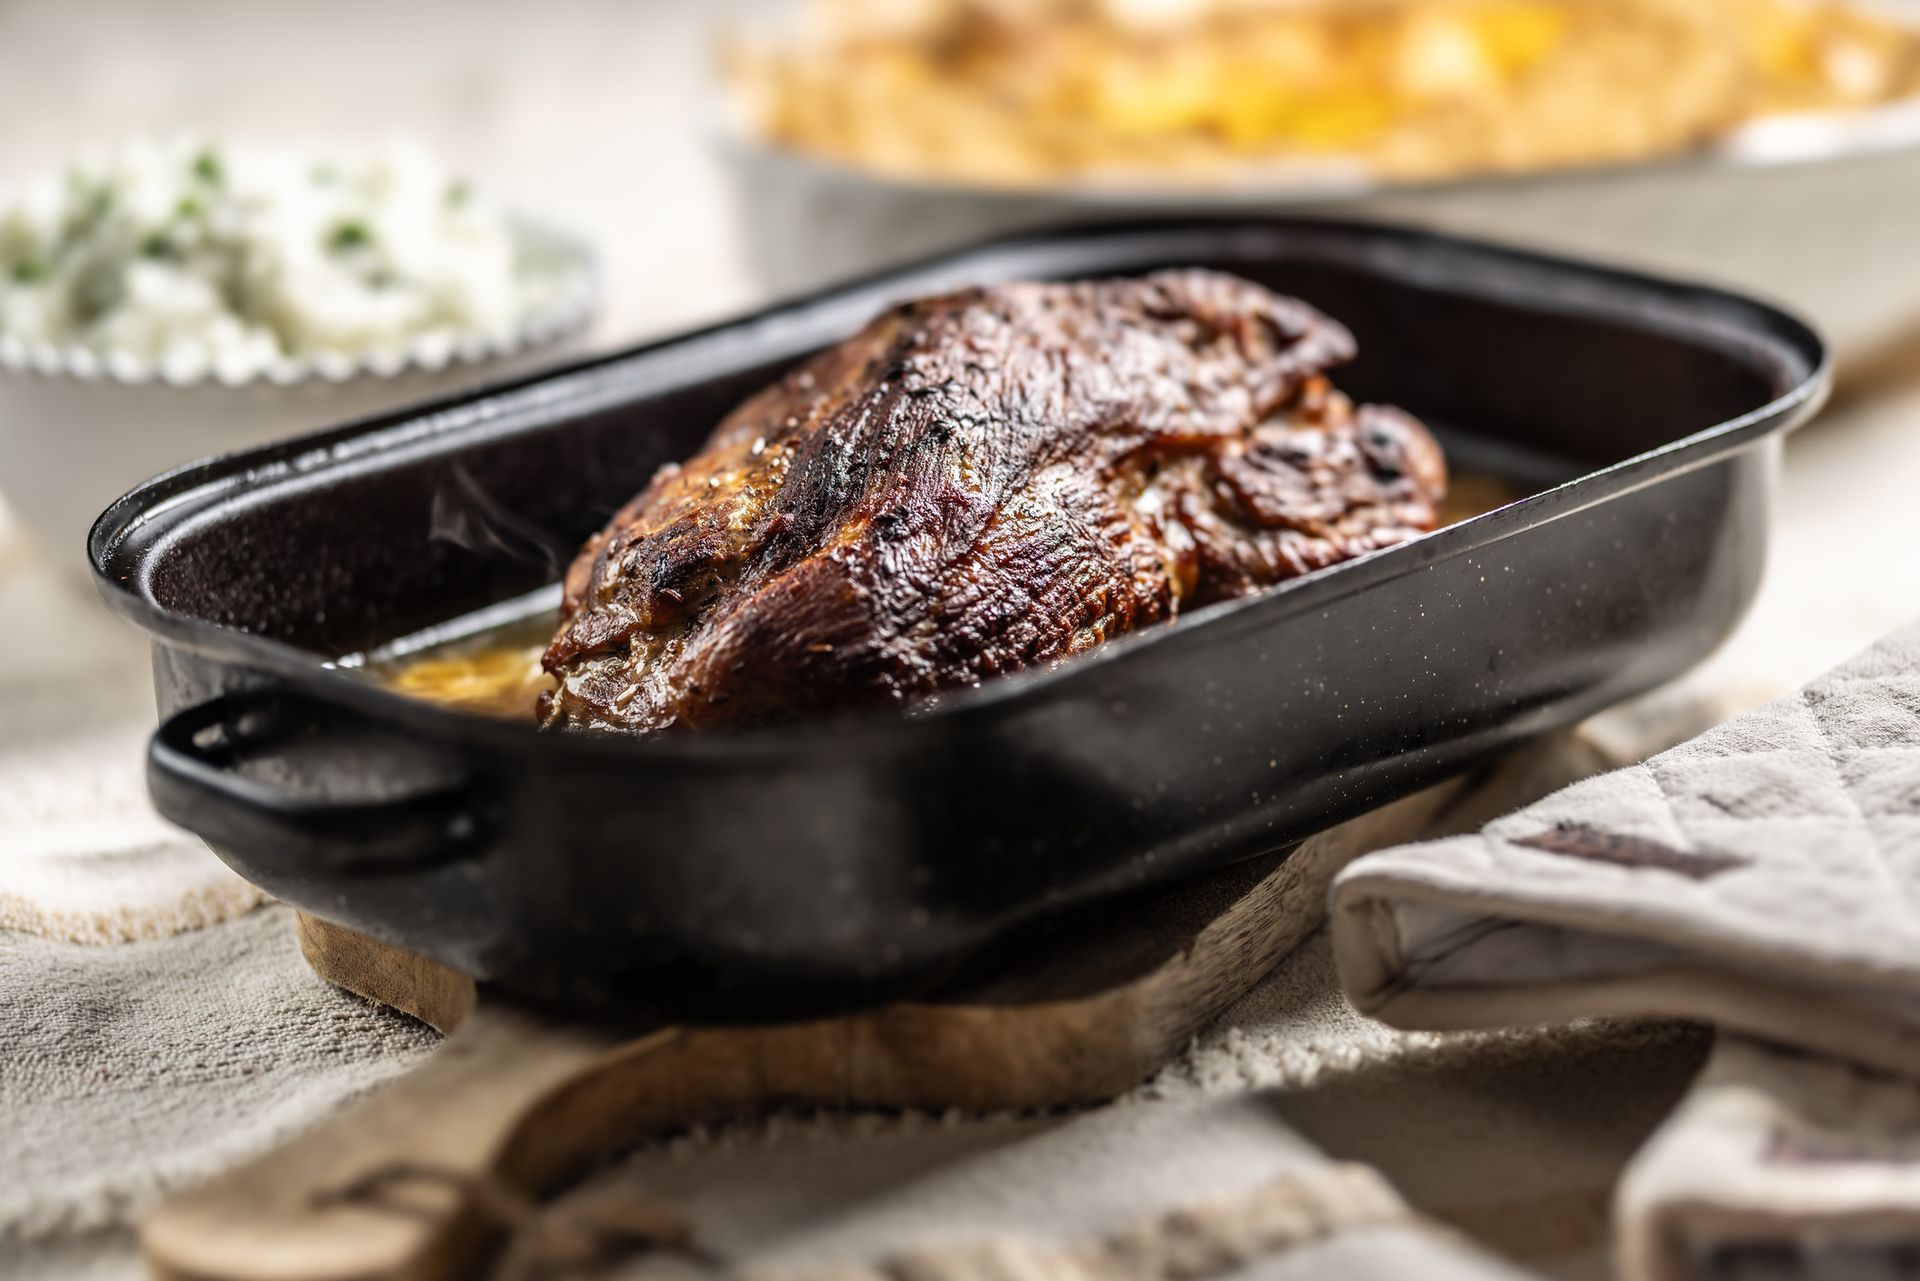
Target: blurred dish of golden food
{"type": "Point", "coordinates": [1020, 95]}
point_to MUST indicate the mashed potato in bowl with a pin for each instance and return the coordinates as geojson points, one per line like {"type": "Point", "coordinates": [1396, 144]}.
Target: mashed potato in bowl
{"type": "Point", "coordinates": [169, 300]}
{"type": "Point", "coordinates": [190, 258]}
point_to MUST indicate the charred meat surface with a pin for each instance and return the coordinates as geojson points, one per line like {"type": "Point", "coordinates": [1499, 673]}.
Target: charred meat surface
{"type": "Point", "coordinates": [979, 483]}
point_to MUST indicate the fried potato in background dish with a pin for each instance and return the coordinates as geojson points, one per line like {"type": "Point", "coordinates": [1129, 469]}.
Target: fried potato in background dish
{"type": "Point", "coordinates": [1006, 94]}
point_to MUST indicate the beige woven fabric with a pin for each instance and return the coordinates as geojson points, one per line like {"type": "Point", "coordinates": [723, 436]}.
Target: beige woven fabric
{"type": "Point", "coordinates": [139, 1068]}
{"type": "Point", "coordinates": [1503, 1149]}
{"type": "Point", "coordinates": [82, 855]}
{"type": "Point", "coordinates": [1765, 876]}
{"type": "Point", "coordinates": [132, 1070]}
{"type": "Point", "coordinates": [1778, 1164]}
{"type": "Point", "coordinates": [1306, 1211]}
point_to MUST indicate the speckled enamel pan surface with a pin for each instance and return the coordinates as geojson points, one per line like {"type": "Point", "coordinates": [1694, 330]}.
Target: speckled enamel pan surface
{"type": "Point", "coordinates": [825, 867]}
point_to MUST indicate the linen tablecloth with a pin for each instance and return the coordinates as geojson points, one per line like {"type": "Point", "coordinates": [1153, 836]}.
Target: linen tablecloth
{"type": "Point", "coordinates": [160, 1025]}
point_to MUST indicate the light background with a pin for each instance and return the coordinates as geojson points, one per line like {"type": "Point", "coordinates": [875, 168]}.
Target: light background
{"type": "Point", "coordinates": [602, 113]}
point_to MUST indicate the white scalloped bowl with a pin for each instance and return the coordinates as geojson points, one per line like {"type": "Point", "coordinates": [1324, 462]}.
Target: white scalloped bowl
{"type": "Point", "coordinates": [77, 430]}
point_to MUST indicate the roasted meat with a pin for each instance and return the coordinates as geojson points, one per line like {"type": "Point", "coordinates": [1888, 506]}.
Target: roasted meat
{"type": "Point", "coordinates": [979, 483]}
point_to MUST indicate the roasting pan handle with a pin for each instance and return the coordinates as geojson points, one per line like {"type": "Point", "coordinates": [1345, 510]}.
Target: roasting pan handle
{"type": "Point", "coordinates": [257, 775]}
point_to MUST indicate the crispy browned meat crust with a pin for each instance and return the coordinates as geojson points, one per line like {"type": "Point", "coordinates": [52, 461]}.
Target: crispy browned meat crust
{"type": "Point", "coordinates": [979, 483]}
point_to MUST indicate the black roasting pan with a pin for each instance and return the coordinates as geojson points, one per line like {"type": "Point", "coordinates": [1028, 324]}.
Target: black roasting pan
{"type": "Point", "coordinates": [811, 869]}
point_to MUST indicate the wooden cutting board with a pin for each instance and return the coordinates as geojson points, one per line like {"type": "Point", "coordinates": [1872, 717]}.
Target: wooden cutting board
{"type": "Point", "coordinates": [421, 1180]}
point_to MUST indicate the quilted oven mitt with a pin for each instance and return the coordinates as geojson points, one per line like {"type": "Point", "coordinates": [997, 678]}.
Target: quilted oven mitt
{"type": "Point", "coordinates": [1765, 877]}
